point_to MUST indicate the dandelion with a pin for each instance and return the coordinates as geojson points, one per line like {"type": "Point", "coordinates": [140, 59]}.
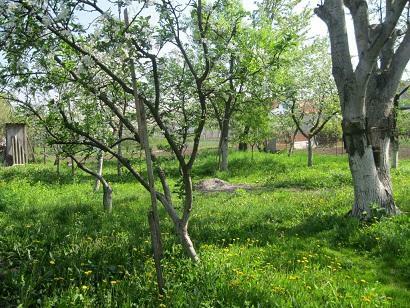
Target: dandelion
{"type": "Point", "coordinates": [366, 299]}
{"type": "Point", "coordinates": [88, 273]}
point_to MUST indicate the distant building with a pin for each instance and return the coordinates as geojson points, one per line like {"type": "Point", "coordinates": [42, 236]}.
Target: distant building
{"type": "Point", "coordinates": [16, 144]}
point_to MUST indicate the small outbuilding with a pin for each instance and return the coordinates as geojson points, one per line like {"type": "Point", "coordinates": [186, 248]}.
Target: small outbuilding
{"type": "Point", "coordinates": [16, 144]}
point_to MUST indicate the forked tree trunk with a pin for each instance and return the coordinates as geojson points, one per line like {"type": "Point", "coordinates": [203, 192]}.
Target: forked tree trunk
{"type": "Point", "coordinates": [223, 146]}
{"type": "Point", "coordinates": [365, 94]}
{"type": "Point", "coordinates": [310, 153]}
{"type": "Point", "coordinates": [99, 170]}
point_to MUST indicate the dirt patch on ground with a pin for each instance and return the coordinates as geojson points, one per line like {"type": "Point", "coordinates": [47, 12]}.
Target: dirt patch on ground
{"type": "Point", "coordinates": [218, 185]}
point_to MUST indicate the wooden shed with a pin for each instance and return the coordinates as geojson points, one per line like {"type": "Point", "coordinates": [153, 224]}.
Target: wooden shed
{"type": "Point", "coordinates": [16, 144]}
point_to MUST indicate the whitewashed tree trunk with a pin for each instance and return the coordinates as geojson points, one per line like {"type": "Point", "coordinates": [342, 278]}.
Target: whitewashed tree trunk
{"type": "Point", "coordinates": [107, 197]}
{"type": "Point", "coordinates": [369, 191]}
{"type": "Point", "coordinates": [99, 170]}
{"type": "Point", "coordinates": [364, 128]}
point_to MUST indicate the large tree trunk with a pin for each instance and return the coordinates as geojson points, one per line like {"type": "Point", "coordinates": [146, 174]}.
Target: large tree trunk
{"type": "Point", "coordinates": [370, 189]}
{"type": "Point", "coordinates": [365, 93]}
{"type": "Point", "coordinates": [380, 128]}
{"type": "Point", "coordinates": [310, 153]}
{"type": "Point", "coordinates": [99, 170]}
{"type": "Point", "coordinates": [224, 146]}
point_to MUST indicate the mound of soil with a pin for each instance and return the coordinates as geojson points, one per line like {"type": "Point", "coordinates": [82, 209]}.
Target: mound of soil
{"type": "Point", "coordinates": [218, 185]}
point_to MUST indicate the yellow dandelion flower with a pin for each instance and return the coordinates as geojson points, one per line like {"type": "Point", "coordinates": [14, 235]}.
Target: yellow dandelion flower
{"type": "Point", "coordinates": [88, 273]}
{"type": "Point", "coordinates": [366, 299]}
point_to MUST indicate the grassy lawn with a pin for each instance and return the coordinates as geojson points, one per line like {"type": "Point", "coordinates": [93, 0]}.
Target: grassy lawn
{"type": "Point", "coordinates": [286, 243]}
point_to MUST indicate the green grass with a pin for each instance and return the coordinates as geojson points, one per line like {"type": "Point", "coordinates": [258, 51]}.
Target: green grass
{"type": "Point", "coordinates": [287, 243]}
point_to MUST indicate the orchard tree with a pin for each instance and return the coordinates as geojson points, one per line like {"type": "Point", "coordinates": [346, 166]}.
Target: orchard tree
{"type": "Point", "coordinates": [367, 91]}
{"type": "Point", "coordinates": [45, 46]}
{"type": "Point", "coordinates": [314, 98]}
{"type": "Point", "coordinates": [252, 48]}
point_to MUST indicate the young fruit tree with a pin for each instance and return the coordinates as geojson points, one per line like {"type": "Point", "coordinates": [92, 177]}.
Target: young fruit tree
{"type": "Point", "coordinates": [314, 100]}
{"type": "Point", "coordinates": [251, 54]}
{"type": "Point", "coordinates": [108, 62]}
{"type": "Point", "coordinates": [367, 91]}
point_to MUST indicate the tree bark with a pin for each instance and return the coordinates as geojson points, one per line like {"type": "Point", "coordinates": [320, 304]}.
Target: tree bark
{"type": "Point", "coordinates": [119, 147]}
{"type": "Point", "coordinates": [57, 163]}
{"type": "Point", "coordinates": [292, 142]}
{"type": "Point", "coordinates": [395, 154]}
{"type": "Point", "coordinates": [183, 234]}
{"type": "Point", "coordinates": [99, 170]}
{"type": "Point", "coordinates": [182, 226]}
{"type": "Point", "coordinates": [72, 168]}
{"type": "Point", "coordinates": [107, 198]}
{"type": "Point", "coordinates": [224, 146]}
{"type": "Point", "coordinates": [366, 141]}
{"type": "Point", "coordinates": [310, 153]}
{"type": "Point", "coordinates": [372, 186]}
{"type": "Point", "coordinates": [153, 212]}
